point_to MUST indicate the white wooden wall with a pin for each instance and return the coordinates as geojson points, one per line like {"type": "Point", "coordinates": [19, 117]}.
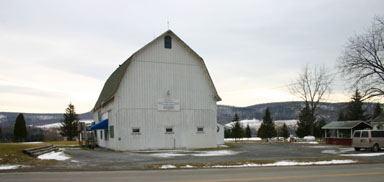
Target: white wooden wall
{"type": "Point", "coordinates": [152, 73]}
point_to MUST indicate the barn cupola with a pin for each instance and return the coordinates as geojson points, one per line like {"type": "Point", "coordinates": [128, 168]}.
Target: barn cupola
{"type": "Point", "coordinates": [168, 42]}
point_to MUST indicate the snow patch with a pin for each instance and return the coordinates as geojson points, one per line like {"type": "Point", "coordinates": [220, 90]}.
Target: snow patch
{"type": "Point", "coordinates": [195, 154]}
{"type": "Point", "coordinates": [288, 163]}
{"type": "Point", "coordinates": [58, 125]}
{"type": "Point", "coordinates": [167, 155]}
{"type": "Point", "coordinates": [9, 167]}
{"type": "Point", "coordinates": [48, 126]}
{"type": "Point", "coordinates": [322, 146]}
{"type": "Point", "coordinates": [31, 142]}
{"type": "Point", "coordinates": [363, 155]}
{"type": "Point", "coordinates": [308, 142]}
{"type": "Point", "coordinates": [243, 139]}
{"type": "Point", "coordinates": [255, 123]}
{"type": "Point", "coordinates": [167, 167]}
{"type": "Point", "coordinates": [60, 156]}
{"type": "Point", "coordinates": [215, 153]}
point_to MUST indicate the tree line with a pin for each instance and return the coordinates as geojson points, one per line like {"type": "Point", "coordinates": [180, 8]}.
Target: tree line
{"type": "Point", "coordinates": [22, 133]}
{"type": "Point", "coordinates": [307, 123]}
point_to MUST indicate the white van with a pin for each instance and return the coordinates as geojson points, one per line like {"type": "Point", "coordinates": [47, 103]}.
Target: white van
{"type": "Point", "coordinates": [368, 139]}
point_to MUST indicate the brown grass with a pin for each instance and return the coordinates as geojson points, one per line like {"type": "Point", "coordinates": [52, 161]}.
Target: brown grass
{"type": "Point", "coordinates": [230, 163]}
{"type": "Point", "coordinates": [11, 153]}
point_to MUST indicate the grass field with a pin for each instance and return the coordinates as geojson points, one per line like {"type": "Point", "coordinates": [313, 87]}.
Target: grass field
{"type": "Point", "coordinates": [11, 153]}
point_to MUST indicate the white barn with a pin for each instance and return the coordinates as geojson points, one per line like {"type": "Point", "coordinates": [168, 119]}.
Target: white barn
{"type": "Point", "coordinates": [162, 97]}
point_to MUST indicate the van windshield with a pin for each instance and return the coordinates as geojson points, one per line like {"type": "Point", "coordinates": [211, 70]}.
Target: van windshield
{"type": "Point", "coordinates": [364, 134]}
{"type": "Point", "coordinates": [357, 134]}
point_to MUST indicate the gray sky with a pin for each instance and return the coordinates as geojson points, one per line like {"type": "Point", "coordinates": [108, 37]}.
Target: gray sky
{"type": "Point", "coordinates": [56, 52]}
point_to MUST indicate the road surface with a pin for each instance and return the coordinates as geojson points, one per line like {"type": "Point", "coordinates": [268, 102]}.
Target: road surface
{"type": "Point", "coordinates": [339, 173]}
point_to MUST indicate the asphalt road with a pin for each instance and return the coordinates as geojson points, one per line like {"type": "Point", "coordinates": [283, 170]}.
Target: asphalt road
{"type": "Point", "coordinates": [339, 173]}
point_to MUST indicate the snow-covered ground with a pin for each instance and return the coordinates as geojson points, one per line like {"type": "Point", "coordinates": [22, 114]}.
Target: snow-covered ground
{"type": "Point", "coordinates": [31, 142]}
{"type": "Point", "coordinates": [308, 142]}
{"type": "Point", "coordinates": [338, 151]}
{"type": "Point", "coordinates": [9, 167]}
{"type": "Point", "coordinates": [60, 156]}
{"type": "Point", "coordinates": [278, 163]}
{"type": "Point", "coordinates": [195, 154]}
{"type": "Point", "coordinates": [243, 139]}
{"type": "Point", "coordinates": [57, 125]}
{"type": "Point", "coordinates": [289, 163]}
{"type": "Point", "coordinates": [363, 155]}
{"type": "Point", "coordinates": [255, 123]}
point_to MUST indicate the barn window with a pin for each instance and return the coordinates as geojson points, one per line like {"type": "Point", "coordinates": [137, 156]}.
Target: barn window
{"type": "Point", "coordinates": [168, 42]}
{"type": "Point", "coordinates": [105, 134]}
{"type": "Point", "coordinates": [135, 131]}
{"type": "Point", "coordinates": [112, 131]}
{"type": "Point", "coordinates": [169, 130]}
{"type": "Point", "coordinates": [200, 129]}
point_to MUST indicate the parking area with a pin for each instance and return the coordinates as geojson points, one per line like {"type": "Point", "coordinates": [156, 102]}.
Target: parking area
{"type": "Point", "coordinates": [111, 160]}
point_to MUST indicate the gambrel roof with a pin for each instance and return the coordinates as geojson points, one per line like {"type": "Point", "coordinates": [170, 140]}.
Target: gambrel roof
{"type": "Point", "coordinates": [112, 84]}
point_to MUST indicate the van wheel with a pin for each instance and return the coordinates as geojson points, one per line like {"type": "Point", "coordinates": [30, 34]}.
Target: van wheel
{"type": "Point", "coordinates": [357, 149]}
{"type": "Point", "coordinates": [375, 148]}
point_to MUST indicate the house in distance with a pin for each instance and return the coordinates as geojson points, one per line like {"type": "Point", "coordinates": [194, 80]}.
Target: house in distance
{"type": "Point", "coordinates": [162, 97]}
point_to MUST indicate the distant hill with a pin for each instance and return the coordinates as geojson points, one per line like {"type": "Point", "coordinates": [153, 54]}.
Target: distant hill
{"type": "Point", "coordinates": [35, 119]}
{"type": "Point", "coordinates": [282, 111]}
{"type": "Point", "coordinates": [279, 111]}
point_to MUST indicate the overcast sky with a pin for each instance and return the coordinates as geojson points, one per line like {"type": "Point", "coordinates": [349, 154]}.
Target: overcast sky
{"type": "Point", "coordinates": [56, 52]}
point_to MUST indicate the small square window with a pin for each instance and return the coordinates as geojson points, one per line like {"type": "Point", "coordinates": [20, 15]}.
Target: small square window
{"type": "Point", "coordinates": [169, 130]}
{"type": "Point", "coordinates": [200, 129]}
{"type": "Point", "coordinates": [135, 131]}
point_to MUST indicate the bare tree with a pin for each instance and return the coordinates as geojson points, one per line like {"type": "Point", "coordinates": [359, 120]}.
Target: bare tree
{"type": "Point", "coordinates": [311, 86]}
{"type": "Point", "coordinates": [361, 61]}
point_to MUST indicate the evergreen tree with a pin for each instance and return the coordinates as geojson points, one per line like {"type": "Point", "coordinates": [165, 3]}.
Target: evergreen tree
{"type": "Point", "coordinates": [227, 133]}
{"type": "Point", "coordinates": [20, 129]}
{"type": "Point", "coordinates": [284, 131]}
{"type": "Point", "coordinates": [267, 128]}
{"type": "Point", "coordinates": [318, 131]}
{"type": "Point", "coordinates": [355, 109]}
{"type": "Point", "coordinates": [377, 111]}
{"type": "Point", "coordinates": [341, 116]}
{"type": "Point", "coordinates": [248, 132]}
{"type": "Point", "coordinates": [237, 131]}
{"type": "Point", "coordinates": [70, 122]}
{"type": "Point", "coordinates": [305, 123]}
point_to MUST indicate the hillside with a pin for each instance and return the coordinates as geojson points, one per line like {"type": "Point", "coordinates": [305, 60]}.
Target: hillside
{"type": "Point", "coordinates": [279, 111]}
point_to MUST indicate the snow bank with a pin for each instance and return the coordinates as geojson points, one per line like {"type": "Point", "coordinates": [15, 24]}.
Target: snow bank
{"type": "Point", "coordinates": [60, 156]}
{"type": "Point", "coordinates": [288, 163]}
{"type": "Point", "coordinates": [9, 167]}
{"type": "Point", "coordinates": [363, 155]}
